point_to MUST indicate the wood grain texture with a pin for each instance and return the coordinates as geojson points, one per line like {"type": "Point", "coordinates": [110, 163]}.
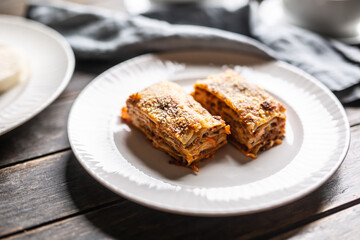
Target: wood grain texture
{"type": "Point", "coordinates": [44, 134]}
{"type": "Point", "coordinates": [18, 7]}
{"type": "Point", "coordinates": [342, 225]}
{"type": "Point", "coordinates": [130, 220]}
{"type": "Point", "coordinates": [46, 189]}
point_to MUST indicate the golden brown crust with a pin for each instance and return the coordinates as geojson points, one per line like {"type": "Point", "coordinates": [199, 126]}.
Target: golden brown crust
{"type": "Point", "coordinates": [257, 119]}
{"type": "Point", "coordinates": [252, 104]}
{"type": "Point", "coordinates": [175, 123]}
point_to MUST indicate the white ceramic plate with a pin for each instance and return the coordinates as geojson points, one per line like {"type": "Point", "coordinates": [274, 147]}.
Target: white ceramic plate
{"type": "Point", "coordinates": [51, 62]}
{"type": "Point", "coordinates": [119, 157]}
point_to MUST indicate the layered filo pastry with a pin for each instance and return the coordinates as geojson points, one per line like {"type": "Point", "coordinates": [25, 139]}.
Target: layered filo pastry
{"type": "Point", "coordinates": [257, 119]}
{"type": "Point", "coordinates": [175, 123]}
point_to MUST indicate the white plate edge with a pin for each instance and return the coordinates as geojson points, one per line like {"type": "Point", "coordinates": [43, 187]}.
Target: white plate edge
{"type": "Point", "coordinates": [68, 75]}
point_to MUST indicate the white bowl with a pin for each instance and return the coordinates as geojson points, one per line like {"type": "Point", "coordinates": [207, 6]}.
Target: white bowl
{"type": "Point", "coordinates": [337, 18]}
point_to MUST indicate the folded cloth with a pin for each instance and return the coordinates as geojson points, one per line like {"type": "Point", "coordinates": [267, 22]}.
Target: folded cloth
{"type": "Point", "coordinates": [105, 35]}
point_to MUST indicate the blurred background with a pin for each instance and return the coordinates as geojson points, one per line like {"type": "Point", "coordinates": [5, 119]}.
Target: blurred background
{"type": "Point", "coordinates": [17, 7]}
{"type": "Point", "coordinates": [339, 19]}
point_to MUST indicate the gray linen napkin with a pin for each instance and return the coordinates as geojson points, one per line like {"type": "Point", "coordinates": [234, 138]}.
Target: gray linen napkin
{"type": "Point", "coordinates": [104, 35]}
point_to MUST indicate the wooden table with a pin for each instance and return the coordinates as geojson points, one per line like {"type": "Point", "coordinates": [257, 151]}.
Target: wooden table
{"type": "Point", "coordinates": [46, 194]}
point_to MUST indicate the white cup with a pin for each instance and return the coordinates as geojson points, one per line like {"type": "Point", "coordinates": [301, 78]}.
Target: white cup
{"type": "Point", "coordinates": [337, 18]}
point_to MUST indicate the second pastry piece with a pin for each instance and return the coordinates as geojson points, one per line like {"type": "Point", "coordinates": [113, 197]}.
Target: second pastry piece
{"type": "Point", "coordinates": [257, 119]}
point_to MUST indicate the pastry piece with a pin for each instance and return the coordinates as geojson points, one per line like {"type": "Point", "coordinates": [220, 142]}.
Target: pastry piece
{"type": "Point", "coordinates": [13, 68]}
{"type": "Point", "coordinates": [175, 123]}
{"type": "Point", "coordinates": [256, 118]}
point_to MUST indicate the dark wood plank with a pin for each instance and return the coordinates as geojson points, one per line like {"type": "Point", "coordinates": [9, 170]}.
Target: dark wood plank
{"type": "Point", "coordinates": [18, 7]}
{"type": "Point", "coordinates": [128, 219]}
{"type": "Point", "coordinates": [79, 80]}
{"type": "Point", "coordinates": [343, 225]}
{"type": "Point", "coordinates": [46, 189]}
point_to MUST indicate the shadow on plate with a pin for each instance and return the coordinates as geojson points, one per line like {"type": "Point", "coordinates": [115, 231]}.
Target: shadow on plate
{"type": "Point", "coordinates": [231, 151]}
{"type": "Point", "coordinates": [132, 144]}
{"type": "Point", "coordinates": [141, 154]}
{"type": "Point", "coordinates": [228, 162]}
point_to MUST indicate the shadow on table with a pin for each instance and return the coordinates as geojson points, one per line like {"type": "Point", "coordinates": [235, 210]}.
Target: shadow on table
{"type": "Point", "coordinates": [117, 217]}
